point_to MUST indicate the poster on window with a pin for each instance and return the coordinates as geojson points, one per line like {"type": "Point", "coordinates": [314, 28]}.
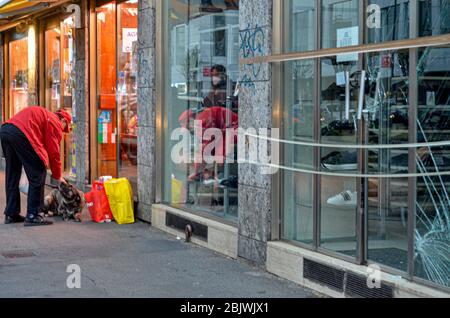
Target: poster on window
{"type": "Point", "coordinates": [347, 37]}
{"type": "Point", "coordinates": [129, 36]}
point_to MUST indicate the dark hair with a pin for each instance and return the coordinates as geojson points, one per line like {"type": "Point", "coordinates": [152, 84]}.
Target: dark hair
{"type": "Point", "coordinates": [219, 68]}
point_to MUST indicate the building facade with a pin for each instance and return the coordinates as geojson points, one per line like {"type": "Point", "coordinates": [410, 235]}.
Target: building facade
{"type": "Point", "coordinates": [344, 103]}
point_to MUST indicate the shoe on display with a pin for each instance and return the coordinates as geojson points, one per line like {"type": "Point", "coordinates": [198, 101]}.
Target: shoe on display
{"type": "Point", "coordinates": [339, 128]}
{"type": "Point", "coordinates": [344, 199]}
{"type": "Point", "coordinates": [340, 161]}
{"type": "Point", "coordinates": [208, 7]}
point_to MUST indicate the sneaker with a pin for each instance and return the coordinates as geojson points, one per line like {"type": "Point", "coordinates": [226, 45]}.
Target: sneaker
{"type": "Point", "coordinates": [36, 220]}
{"type": "Point", "coordinates": [344, 199]}
{"type": "Point", "coordinates": [340, 161]}
{"type": "Point", "coordinates": [14, 219]}
{"type": "Point", "coordinates": [339, 128]}
{"type": "Point", "coordinates": [210, 8]}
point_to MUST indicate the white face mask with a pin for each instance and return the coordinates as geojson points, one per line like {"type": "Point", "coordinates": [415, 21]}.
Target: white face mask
{"type": "Point", "coordinates": [216, 80]}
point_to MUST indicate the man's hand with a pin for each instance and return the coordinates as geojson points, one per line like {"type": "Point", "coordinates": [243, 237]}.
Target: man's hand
{"type": "Point", "coordinates": [62, 180]}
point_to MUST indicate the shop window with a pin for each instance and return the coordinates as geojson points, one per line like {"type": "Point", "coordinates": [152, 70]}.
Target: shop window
{"type": "Point", "coordinates": [299, 126]}
{"type": "Point", "coordinates": [300, 30]}
{"type": "Point", "coordinates": [18, 75]}
{"type": "Point", "coordinates": [394, 21]}
{"type": "Point", "coordinates": [432, 221]}
{"type": "Point", "coordinates": [434, 17]}
{"type": "Point", "coordinates": [117, 119]}
{"type": "Point", "coordinates": [387, 102]}
{"type": "Point", "coordinates": [53, 69]}
{"type": "Point", "coordinates": [340, 23]}
{"type": "Point", "coordinates": [68, 91]}
{"type": "Point", "coordinates": [201, 72]}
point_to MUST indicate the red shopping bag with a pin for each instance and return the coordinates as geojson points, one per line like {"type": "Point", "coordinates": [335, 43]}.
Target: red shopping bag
{"type": "Point", "coordinates": [98, 205]}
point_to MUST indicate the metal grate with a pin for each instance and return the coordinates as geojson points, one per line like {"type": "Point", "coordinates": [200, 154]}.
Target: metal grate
{"type": "Point", "coordinates": [323, 274]}
{"type": "Point", "coordinates": [198, 230]}
{"type": "Point", "coordinates": [357, 286]}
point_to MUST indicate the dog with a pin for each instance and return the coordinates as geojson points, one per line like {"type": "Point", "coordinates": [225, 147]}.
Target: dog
{"type": "Point", "coordinates": [66, 201]}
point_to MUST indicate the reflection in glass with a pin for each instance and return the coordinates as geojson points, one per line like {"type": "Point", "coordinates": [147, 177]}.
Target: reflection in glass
{"type": "Point", "coordinates": [434, 17]}
{"type": "Point", "coordinates": [387, 103]}
{"type": "Point", "coordinates": [394, 21]}
{"type": "Point", "coordinates": [432, 233]}
{"type": "Point", "coordinates": [339, 78]}
{"type": "Point", "coordinates": [18, 75]}
{"type": "Point", "coordinates": [53, 69]}
{"type": "Point", "coordinates": [106, 90]}
{"type": "Point", "coordinates": [202, 70]}
{"type": "Point", "coordinates": [340, 23]}
{"type": "Point", "coordinates": [301, 25]}
{"type": "Point", "coordinates": [299, 126]}
{"type": "Point", "coordinates": [127, 89]}
{"type": "Point", "coordinates": [67, 91]}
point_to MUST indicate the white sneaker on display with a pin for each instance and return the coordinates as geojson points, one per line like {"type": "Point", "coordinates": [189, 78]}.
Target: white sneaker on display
{"type": "Point", "coordinates": [345, 199]}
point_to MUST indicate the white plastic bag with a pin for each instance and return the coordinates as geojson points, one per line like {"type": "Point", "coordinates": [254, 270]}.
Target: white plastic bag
{"type": "Point", "coordinates": [24, 184]}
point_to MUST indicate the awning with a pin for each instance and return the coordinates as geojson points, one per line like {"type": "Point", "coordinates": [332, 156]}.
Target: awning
{"type": "Point", "coordinates": [18, 7]}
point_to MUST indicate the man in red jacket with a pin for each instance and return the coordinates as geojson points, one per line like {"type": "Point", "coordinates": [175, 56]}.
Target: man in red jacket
{"type": "Point", "coordinates": [31, 139]}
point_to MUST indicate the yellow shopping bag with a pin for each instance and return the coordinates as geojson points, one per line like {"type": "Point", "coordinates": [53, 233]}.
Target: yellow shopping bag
{"type": "Point", "coordinates": [178, 192]}
{"type": "Point", "coordinates": [120, 197]}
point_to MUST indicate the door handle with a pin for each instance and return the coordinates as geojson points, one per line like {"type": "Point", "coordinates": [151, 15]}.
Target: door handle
{"type": "Point", "coordinates": [347, 96]}
{"type": "Point", "coordinates": [362, 90]}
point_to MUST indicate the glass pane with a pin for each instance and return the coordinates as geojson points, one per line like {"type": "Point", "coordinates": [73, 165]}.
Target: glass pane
{"type": "Point", "coordinates": [339, 92]}
{"type": "Point", "coordinates": [18, 75]}
{"type": "Point", "coordinates": [53, 69]}
{"type": "Point", "coordinates": [434, 17]}
{"type": "Point", "coordinates": [388, 105]}
{"type": "Point", "coordinates": [127, 89]}
{"type": "Point", "coordinates": [67, 92]}
{"type": "Point", "coordinates": [202, 70]}
{"type": "Point", "coordinates": [432, 234]}
{"type": "Point", "coordinates": [300, 29]}
{"type": "Point", "coordinates": [299, 126]}
{"type": "Point", "coordinates": [340, 23]}
{"type": "Point", "coordinates": [106, 90]}
{"type": "Point", "coordinates": [394, 22]}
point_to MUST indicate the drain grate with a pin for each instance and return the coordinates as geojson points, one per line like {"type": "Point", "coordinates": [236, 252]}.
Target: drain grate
{"type": "Point", "coordinates": [357, 287]}
{"type": "Point", "coordinates": [18, 254]}
{"type": "Point", "coordinates": [324, 274]}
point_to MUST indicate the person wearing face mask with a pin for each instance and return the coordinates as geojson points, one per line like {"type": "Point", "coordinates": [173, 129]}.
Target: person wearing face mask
{"type": "Point", "coordinates": [218, 95]}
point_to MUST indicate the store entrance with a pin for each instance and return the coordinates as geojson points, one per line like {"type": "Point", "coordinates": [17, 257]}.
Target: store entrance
{"type": "Point", "coordinates": [364, 112]}
{"type": "Point", "coordinates": [116, 89]}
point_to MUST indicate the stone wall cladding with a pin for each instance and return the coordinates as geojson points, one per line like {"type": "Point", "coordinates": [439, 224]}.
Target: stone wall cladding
{"type": "Point", "coordinates": [255, 111]}
{"type": "Point", "coordinates": [81, 99]}
{"type": "Point", "coordinates": [146, 108]}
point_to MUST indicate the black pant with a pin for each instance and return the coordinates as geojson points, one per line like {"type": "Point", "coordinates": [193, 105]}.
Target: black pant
{"type": "Point", "coordinates": [18, 152]}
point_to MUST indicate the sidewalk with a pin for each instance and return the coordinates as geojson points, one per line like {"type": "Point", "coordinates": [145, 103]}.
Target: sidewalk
{"type": "Point", "coordinates": [122, 261]}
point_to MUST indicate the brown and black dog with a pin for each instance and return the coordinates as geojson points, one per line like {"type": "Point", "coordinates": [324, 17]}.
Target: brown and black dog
{"type": "Point", "coordinates": [66, 201]}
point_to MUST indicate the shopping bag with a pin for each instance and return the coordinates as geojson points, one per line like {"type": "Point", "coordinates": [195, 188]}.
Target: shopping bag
{"type": "Point", "coordinates": [24, 184]}
{"type": "Point", "coordinates": [98, 204]}
{"type": "Point", "coordinates": [120, 197]}
{"type": "Point", "coordinates": [178, 191]}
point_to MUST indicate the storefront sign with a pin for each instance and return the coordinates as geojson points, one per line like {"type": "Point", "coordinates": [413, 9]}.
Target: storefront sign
{"type": "Point", "coordinates": [347, 37]}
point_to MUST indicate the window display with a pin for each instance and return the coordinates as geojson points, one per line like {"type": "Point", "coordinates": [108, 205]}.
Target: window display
{"type": "Point", "coordinates": [53, 69]}
{"type": "Point", "coordinates": [18, 75]}
{"type": "Point", "coordinates": [201, 72]}
{"type": "Point", "coordinates": [117, 89]}
{"type": "Point", "coordinates": [67, 91]}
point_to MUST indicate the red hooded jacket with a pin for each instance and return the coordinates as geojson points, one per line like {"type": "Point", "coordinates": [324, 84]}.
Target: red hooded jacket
{"type": "Point", "coordinates": [44, 132]}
